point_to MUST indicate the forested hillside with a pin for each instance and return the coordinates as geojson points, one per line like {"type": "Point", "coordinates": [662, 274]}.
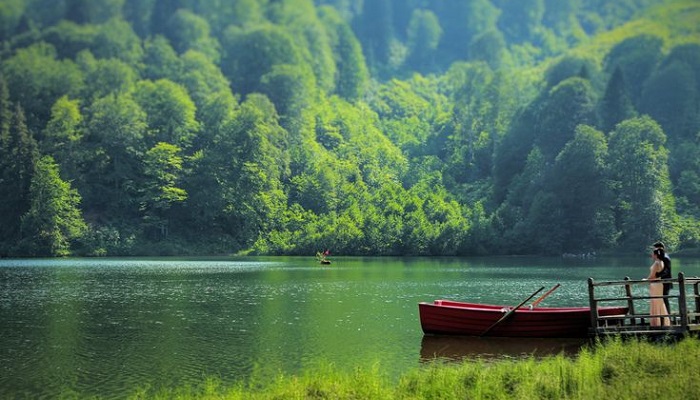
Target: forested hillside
{"type": "Point", "coordinates": [382, 127]}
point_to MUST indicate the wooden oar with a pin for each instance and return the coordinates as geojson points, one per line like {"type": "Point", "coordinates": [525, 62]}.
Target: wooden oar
{"type": "Point", "coordinates": [538, 301]}
{"type": "Point", "coordinates": [509, 313]}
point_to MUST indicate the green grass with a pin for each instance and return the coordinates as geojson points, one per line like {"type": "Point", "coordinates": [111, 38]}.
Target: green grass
{"type": "Point", "coordinates": [615, 369]}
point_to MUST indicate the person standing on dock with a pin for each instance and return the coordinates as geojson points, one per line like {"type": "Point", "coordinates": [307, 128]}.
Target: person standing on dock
{"type": "Point", "coordinates": [657, 307]}
{"type": "Point", "coordinates": [665, 273]}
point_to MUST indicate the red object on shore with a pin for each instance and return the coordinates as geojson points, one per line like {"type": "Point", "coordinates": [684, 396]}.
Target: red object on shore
{"type": "Point", "coordinates": [447, 317]}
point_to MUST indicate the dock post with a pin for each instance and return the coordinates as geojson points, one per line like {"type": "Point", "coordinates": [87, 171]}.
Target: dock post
{"type": "Point", "coordinates": [697, 301]}
{"type": "Point", "coordinates": [593, 305]}
{"type": "Point", "coordinates": [630, 302]}
{"type": "Point", "coordinates": [682, 305]}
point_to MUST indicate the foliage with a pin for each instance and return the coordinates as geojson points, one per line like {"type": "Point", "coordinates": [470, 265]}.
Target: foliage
{"type": "Point", "coordinates": [392, 127]}
{"type": "Point", "coordinates": [17, 167]}
{"type": "Point", "coordinates": [579, 182]}
{"type": "Point", "coordinates": [423, 38]}
{"type": "Point", "coordinates": [645, 208]}
{"type": "Point", "coordinates": [352, 74]}
{"type": "Point", "coordinates": [53, 219]}
{"type": "Point", "coordinates": [162, 168]}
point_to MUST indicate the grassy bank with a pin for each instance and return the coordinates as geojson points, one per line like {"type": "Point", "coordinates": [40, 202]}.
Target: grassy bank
{"type": "Point", "coordinates": [613, 370]}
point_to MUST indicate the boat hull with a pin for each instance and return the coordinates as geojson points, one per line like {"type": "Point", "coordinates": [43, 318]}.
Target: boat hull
{"type": "Point", "coordinates": [446, 317]}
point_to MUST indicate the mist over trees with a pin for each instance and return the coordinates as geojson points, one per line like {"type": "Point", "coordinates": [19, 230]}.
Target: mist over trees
{"type": "Point", "coordinates": [383, 127]}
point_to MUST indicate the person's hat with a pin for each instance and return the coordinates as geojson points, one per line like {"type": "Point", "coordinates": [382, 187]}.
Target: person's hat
{"type": "Point", "coordinates": [659, 245]}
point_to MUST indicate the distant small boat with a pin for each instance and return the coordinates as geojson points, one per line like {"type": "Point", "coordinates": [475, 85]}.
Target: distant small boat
{"type": "Point", "coordinates": [321, 257]}
{"type": "Point", "coordinates": [470, 319]}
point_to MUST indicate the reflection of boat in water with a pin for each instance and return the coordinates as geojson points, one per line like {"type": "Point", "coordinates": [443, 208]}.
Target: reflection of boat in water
{"type": "Point", "coordinates": [458, 348]}
{"type": "Point", "coordinates": [471, 319]}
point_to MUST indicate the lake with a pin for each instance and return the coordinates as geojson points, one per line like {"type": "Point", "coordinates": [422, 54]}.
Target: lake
{"type": "Point", "coordinates": [105, 327]}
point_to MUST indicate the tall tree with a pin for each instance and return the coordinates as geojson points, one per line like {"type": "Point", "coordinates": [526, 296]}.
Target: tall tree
{"type": "Point", "coordinates": [54, 218]}
{"type": "Point", "coordinates": [117, 39]}
{"type": "Point", "coordinates": [63, 135]}
{"type": "Point", "coordinates": [92, 11]}
{"type": "Point", "coordinates": [483, 104]}
{"type": "Point", "coordinates": [160, 191]}
{"type": "Point", "coordinates": [114, 140]}
{"type": "Point", "coordinates": [570, 67]}
{"type": "Point", "coordinates": [513, 149]}
{"type": "Point", "coordinates": [671, 97]}
{"type": "Point", "coordinates": [461, 22]}
{"type": "Point", "coordinates": [489, 47]}
{"type": "Point", "coordinates": [251, 54]}
{"type": "Point", "coordinates": [352, 77]}
{"type": "Point", "coordinates": [424, 34]}
{"type": "Point", "coordinates": [687, 187]}
{"type": "Point", "coordinates": [291, 89]}
{"type": "Point", "coordinates": [615, 106]}
{"type": "Point", "coordinates": [70, 38]}
{"type": "Point", "coordinates": [579, 179]}
{"type": "Point", "coordinates": [560, 15]}
{"type": "Point", "coordinates": [161, 13]}
{"type": "Point", "coordinates": [5, 114]}
{"type": "Point", "coordinates": [19, 158]}
{"type": "Point", "coordinates": [6, 178]}
{"type": "Point", "coordinates": [376, 31]}
{"type": "Point", "coordinates": [521, 217]}
{"type": "Point", "coordinates": [36, 79]}
{"type": "Point", "coordinates": [160, 59]}
{"type": "Point", "coordinates": [241, 13]}
{"type": "Point", "coordinates": [201, 77]}
{"type": "Point", "coordinates": [637, 57]}
{"type": "Point", "coordinates": [301, 20]}
{"type": "Point", "coordinates": [639, 169]}
{"type": "Point", "coordinates": [187, 30]}
{"type": "Point", "coordinates": [106, 76]}
{"type": "Point", "coordinates": [10, 15]}
{"type": "Point", "coordinates": [570, 103]}
{"type": "Point", "coordinates": [138, 13]}
{"type": "Point", "coordinates": [244, 169]}
{"type": "Point", "coordinates": [520, 19]}
{"type": "Point", "coordinates": [170, 112]}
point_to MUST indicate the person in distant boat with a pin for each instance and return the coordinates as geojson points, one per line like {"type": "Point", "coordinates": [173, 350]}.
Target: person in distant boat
{"type": "Point", "coordinates": [666, 273]}
{"type": "Point", "coordinates": [322, 256]}
{"type": "Point", "coordinates": [657, 307]}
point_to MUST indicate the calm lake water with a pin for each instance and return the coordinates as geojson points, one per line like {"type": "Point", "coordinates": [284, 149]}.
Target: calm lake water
{"type": "Point", "coordinates": [106, 327]}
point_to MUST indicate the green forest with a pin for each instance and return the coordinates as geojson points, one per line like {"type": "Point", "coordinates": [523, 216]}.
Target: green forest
{"type": "Point", "coordinates": [377, 127]}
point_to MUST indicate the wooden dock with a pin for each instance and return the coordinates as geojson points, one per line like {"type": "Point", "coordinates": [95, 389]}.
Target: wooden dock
{"type": "Point", "coordinates": [684, 300]}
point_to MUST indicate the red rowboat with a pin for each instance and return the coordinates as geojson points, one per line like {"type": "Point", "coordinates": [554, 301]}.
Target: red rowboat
{"type": "Point", "coordinates": [456, 318]}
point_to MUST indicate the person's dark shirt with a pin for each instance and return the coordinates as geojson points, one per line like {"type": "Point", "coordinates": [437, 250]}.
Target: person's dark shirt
{"type": "Point", "coordinates": [665, 273]}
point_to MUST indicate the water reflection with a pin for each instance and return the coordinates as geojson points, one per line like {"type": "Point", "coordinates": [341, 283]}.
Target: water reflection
{"type": "Point", "coordinates": [460, 348]}
{"type": "Point", "coordinates": [106, 327]}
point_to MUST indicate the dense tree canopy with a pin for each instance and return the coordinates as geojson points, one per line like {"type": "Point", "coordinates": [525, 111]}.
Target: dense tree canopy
{"type": "Point", "coordinates": [388, 127]}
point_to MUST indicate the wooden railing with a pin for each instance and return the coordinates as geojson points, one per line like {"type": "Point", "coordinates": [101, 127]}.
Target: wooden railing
{"type": "Point", "coordinates": [684, 297]}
